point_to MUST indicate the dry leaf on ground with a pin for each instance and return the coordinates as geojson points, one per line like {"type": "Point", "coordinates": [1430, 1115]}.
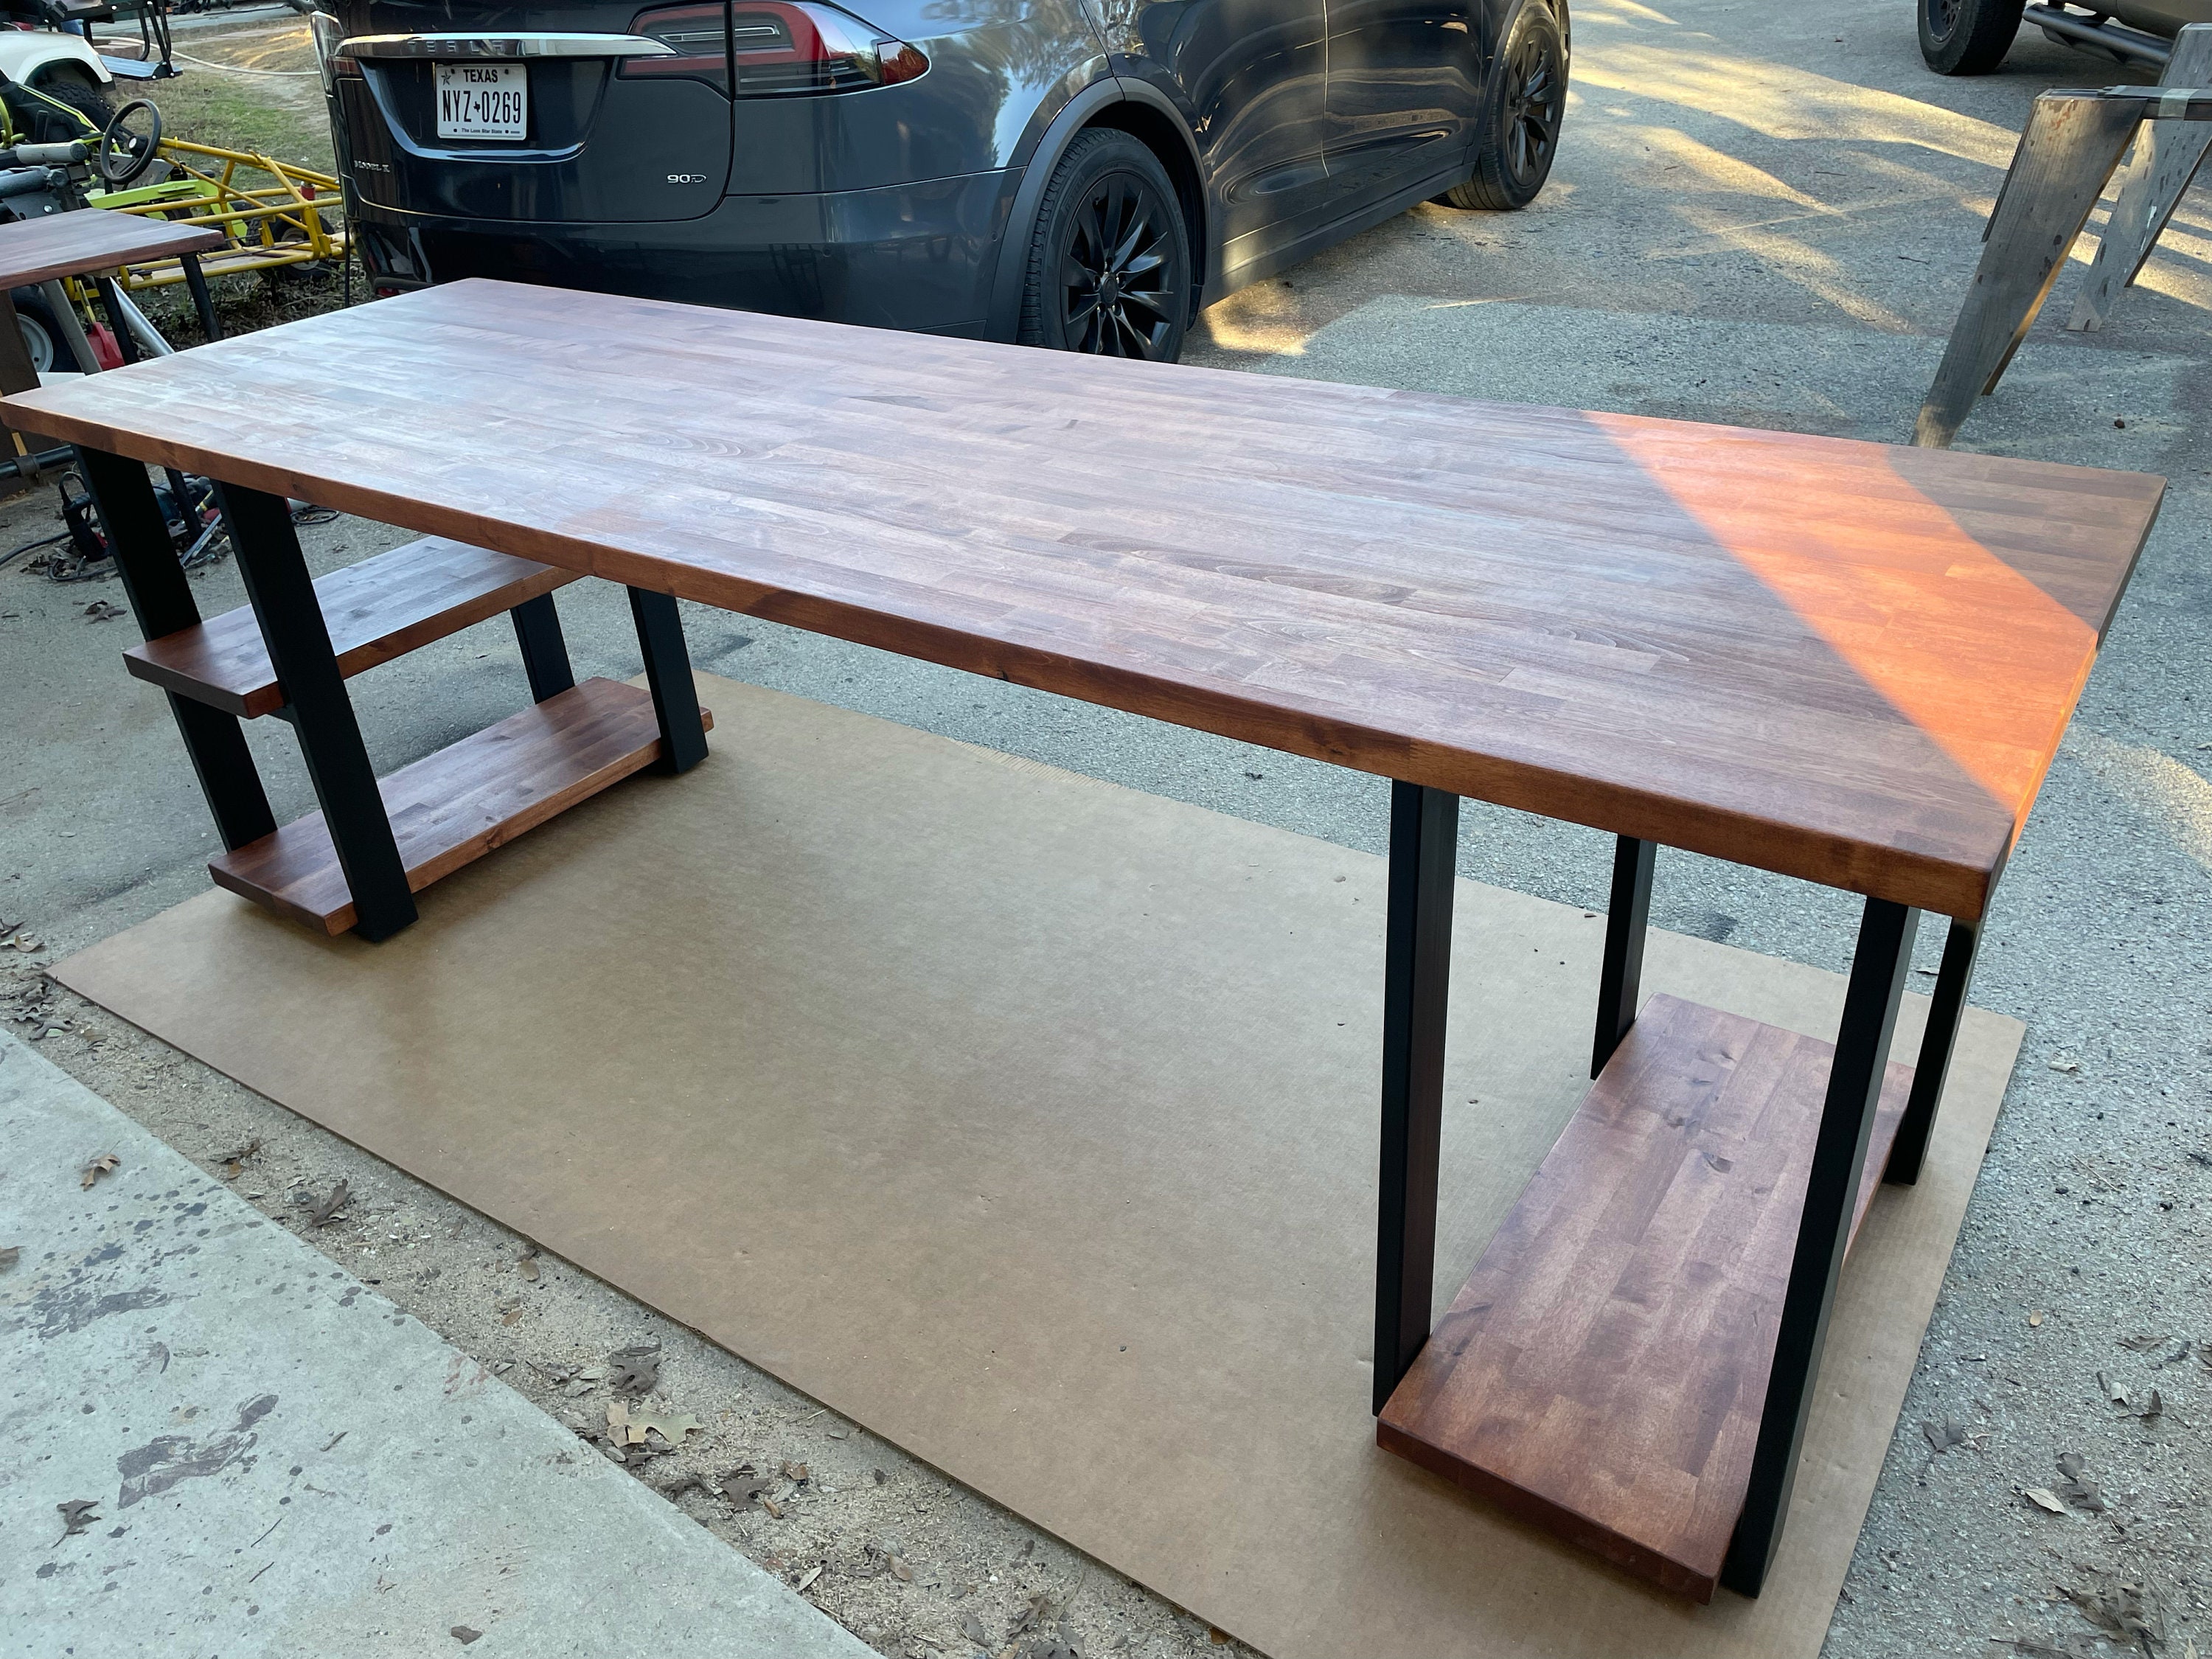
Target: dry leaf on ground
{"type": "Point", "coordinates": [327, 1211]}
{"type": "Point", "coordinates": [526, 1264]}
{"type": "Point", "coordinates": [233, 1163]}
{"type": "Point", "coordinates": [9, 1255]}
{"type": "Point", "coordinates": [98, 1167]}
{"type": "Point", "coordinates": [77, 1515]}
{"type": "Point", "coordinates": [2044, 1498]}
{"type": "Point", "coordinates": [635, 1370]}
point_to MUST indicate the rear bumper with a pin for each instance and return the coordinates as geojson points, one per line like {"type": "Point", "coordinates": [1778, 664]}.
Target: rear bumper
{"type": "Point", "coordinates": [918, 256]}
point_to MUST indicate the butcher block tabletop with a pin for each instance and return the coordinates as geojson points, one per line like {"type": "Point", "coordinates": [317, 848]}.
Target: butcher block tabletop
{"type": "Point", "coordinates": [1842, 661]}
{"type": "Point", "coordinates": [34, 251]}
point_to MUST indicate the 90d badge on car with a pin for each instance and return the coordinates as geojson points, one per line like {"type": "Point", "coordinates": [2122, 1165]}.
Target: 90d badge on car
{"type": "Point", "coordinates": [687, 178]}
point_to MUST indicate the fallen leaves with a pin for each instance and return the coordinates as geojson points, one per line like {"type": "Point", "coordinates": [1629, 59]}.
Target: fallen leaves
{"type": "Point", "coordinates": [327, 1211]}
{"type": "Point", "coordinates": [464, 1635]}
{"type": "Point", "coordinates": [233, 1163]}
{"type": "Point", "coordinates": [625, 1430]}
{"type": "Point", "coordinates": [2119, 1609]}
{"type": "Point", "coordinates": [76, 1515]}
{"type": "Point", "coordinates": [526, 1264]}
{"type": "Point", "coordinates": [104, 1165]}
{"type": "Point", "coordinates": [1942, 1436]}
{"type": "Point", "coordinates": [635, 1370]}
{"type": "Point", "coordinates": [27, 943]}
{"type": "Point", "coordinates": [2044, 1498]}
{"type": "Point", "coordinates": [811, 1576]}
{"type": "Point", "coordinates": [2078, 1490]}
{"type": "Point", "coordinates": [101, 610]}
{"type": "Point", "coordinates": [9, 1255]}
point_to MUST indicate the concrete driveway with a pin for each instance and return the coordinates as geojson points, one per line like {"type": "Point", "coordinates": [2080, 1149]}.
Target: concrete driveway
{"type": "Point", "coordinates": [1766, 212]}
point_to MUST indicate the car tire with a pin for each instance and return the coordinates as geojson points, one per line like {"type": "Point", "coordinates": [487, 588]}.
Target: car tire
{"type": "Point", "coordinates": [1109, 266]}
{"type": "Point", "coordinates": [1967, 37]}
{"type": "Point", "coordinates": [1518, 133]}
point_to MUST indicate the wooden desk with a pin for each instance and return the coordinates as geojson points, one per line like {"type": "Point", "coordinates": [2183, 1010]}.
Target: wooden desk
{"type": "Point", "coordinates": [1841, 661]}
{"type": "Point", "coordinates": [87, 242]}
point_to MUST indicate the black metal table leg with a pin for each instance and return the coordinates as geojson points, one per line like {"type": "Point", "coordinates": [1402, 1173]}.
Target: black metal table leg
{"type": "Point", "coordinates": [1416, 977]}
{"type": "Point", "coordinates": [110, 302]}
{"type": "Point", "coordinates": [203, 302]}
{"type": "Point", "coordinates": [298, 643]}
{"type": "Point", "coordinates": [1879, 967]}
{"type": "Point", "coordinates": [544, 650]}
{"type": "Point", "coordinates": [1627, 919]}
{"type": "Point", "coordinates": [668, 671]}
{"type": "Point", "coordinates": [1918, 1121]}
{"type": "Point", "coordinates": [161, 599]}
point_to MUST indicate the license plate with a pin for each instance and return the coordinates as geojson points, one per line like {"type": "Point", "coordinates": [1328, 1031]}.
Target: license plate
{"type": "Point", "coordinates": [482, 100]}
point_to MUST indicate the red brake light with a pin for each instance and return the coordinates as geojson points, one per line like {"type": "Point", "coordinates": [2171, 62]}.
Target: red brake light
{"type": "Point", "coordinates": [780, 48]}
{"type": "Point", "coordinates": [695, 33]}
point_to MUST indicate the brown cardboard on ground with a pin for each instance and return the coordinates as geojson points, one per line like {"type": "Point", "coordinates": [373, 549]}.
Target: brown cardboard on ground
{"type": "Point", "coordinates": [1031, 1121]}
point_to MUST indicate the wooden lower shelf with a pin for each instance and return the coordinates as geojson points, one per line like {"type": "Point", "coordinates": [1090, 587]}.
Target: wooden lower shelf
{"type": "Point", "coordinates": [453, 807]}
{"type": "Point", "coordinates": [379, 609]}
{"type": "Point", "coordinates": [1603, 1371]}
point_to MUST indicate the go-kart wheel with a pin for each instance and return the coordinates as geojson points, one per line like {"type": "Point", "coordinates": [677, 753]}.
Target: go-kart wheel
{"type": "Point", "coordinates": [123, 155]}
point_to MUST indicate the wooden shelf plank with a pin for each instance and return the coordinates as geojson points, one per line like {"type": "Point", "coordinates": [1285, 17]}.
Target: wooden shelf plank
{"type": "Point", "coordinates": [453, 807]}
{"type": "Point", "coordinates": [377, 610]}
{"type": "Point", "coordinates": [1603, 1371]}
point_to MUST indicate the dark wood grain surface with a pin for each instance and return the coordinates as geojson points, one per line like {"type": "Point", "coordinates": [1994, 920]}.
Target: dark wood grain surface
{"type": "Point", "coordinates": [90, 240]}
{"type": "Point", "coordinates": [1842, 661]}
{"type": "Point", "coordinates": [381, 608]}
{"type": "Point", "coordinates": [451, 807]}
{"type": "Point", "coordinates": [1603, 1371]}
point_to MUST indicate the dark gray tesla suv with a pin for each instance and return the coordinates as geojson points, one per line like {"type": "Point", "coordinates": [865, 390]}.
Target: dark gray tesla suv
{"type": "Point", "coordinates": [1078, 174]}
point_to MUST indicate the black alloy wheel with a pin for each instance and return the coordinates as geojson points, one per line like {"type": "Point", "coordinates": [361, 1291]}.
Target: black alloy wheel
{"type": "Point", "coordinates": [1110, 264]}
{"type": "Point", "coordinates": [1967, 37]}
{"type": "Point", "coordinates": [1519, 131]}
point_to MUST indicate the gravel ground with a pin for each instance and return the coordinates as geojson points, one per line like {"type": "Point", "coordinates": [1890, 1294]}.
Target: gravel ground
{"type": "Point", "coordinates": [1763, 213]}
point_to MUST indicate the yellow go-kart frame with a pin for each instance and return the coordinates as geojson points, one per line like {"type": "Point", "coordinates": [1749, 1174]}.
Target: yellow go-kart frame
{"type": "Point", "coordinates": [272, 212]}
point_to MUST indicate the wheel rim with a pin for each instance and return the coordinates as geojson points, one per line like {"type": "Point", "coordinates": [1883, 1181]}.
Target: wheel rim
{"type": "Point", "coordinates": [38, 344]}
{"type": "Point", "coordinates": [1942, 18]}
{"type": "Point", "coordinates": [1118, 277]}
{"type": "Point", "coordinates": [1532, 108]}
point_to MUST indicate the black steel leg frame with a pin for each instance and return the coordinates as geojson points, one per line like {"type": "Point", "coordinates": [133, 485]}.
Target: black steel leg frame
{"type": "Point", "coordinates": [283, 599]}
{"type": "Point", "coordinates": [1423, 837]}
{"type": "Point", "coordinates": [1416, 975]}
{"type": "Point", "coordinates": [161, 599]}
{"type": "Point", "coordinates": [283, 595]}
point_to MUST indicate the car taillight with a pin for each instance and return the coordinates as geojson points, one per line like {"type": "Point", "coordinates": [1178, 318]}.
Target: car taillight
{"type": "Point", "coordinates": [694, 36]}
{"type": "Point", "coordinates": [785, 47]}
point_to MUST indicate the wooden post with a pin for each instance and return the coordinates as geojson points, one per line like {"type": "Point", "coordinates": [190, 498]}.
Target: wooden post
{"type": "Point", "coordinates": [2074, 141]}
{"type": "Point", "coordinates": [2167, 155]}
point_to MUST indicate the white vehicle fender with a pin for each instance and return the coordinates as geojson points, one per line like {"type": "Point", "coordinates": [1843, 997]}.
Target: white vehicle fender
{"type": "Point", "coordinates": [26, 54]}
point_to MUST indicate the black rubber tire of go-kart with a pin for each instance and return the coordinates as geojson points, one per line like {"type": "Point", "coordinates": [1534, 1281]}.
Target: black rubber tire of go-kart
{"type": "Point", "coordinates": [36, 319]}
{"type": "Point", "coordinates": [40, 122]}
{"type": "Point", "coordinates": [1518, 130]}
{"type": "Point", "coordinates": [1110, 210]}
{"type": "Point", "coordinates": [1967, 37]}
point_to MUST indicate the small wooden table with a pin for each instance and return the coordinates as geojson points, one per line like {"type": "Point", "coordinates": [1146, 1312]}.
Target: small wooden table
{"type": "Point", "coordinates": [1841, 661]}
{"type": "Point", "coordinates": [87, 242]}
